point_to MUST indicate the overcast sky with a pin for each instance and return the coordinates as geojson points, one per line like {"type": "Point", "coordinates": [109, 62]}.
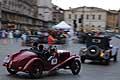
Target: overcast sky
{"type": "Point", "coordinates": [105, 4]}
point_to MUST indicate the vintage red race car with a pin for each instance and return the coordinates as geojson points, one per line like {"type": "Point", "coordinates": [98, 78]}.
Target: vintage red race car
{"type": "Point", "coordinates": [29, 62]}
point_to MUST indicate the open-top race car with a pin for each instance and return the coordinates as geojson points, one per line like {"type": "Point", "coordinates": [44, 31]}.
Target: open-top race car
{"type": "Point", "coordinates": [99, 48]}
{"type": "Point", "coordinates": [34, 63]}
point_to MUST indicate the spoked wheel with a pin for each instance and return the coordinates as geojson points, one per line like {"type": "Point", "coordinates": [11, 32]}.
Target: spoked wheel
{"type": "Point", "coordinates": [75, 67]}
{"type": "Point", "coordinates": [37, 71]}
{"type": "Point", "coordinates": [115, 57]}
{"type": "Point", "coordinates": [11, 71]}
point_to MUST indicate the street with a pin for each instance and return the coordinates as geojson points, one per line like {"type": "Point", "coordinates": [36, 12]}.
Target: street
{"type": "Point", "coordinates": [89, 70]}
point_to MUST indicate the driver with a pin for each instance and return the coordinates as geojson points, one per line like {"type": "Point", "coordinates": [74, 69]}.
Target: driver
{"type": "Point", "coordinates": [53, 52]}
{"type": "Point", "coordinates": [41, 49]}
{"type": "Point", "coordinates": [34, 46]}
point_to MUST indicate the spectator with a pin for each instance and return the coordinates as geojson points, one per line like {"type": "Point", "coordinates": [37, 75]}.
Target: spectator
{"type": "Point", "coordinates": [10, 34]}
{"type": "Point", "coordinates": [51, 40]}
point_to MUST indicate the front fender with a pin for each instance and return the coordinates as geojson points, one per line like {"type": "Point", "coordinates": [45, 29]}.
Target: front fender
{"type": "Point", "coordinates": [27, 67]}
{"type": "Point", "coordinates": [68, 59]}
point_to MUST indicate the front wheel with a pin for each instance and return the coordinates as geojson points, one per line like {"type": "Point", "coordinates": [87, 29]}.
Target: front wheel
{"type": "Point", "coordinates": [11, 71]}
{"type": "Point", "coordinates": [115, 58]}
{"type": "Point", "coordinates": [75, 67]}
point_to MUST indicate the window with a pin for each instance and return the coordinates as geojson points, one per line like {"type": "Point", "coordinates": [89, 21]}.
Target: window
{"type": "Point", "coordinates": [93, 16]}
{"type": "Point", "coordinates": [93, 25]}
{"type": "Point", "coordinates": [82, 16]}
{"type": "Point", "coordinates": [96, 40]}
{"type": "Point", "coordinates": [87, 16]}
{"type": "Point", "coordinates": [99, 26]}
{"type": "Point", "coordinates": [75, 16]}
{"type": "Point", "coordinates": [99, 17]}
{"type": "Point", "coordinates": [69, 16]}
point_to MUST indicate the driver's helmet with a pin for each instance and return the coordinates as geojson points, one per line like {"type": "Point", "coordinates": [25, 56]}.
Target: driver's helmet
{"type": "Point", "coordinates": [53, 48]}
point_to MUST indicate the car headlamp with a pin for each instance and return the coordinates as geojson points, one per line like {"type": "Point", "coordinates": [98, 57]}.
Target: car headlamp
{"type": "Point", "coordinates": [101, 54]}
{"type": "Point", "coordinates": [6, 59]}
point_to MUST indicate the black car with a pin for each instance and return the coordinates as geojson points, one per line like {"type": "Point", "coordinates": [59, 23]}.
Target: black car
{"type": "Point", "coordinates": [99, 48]}
{"type": "Point", "coordinates": [32, 38]}
{"type": "Point", "coordinates": [82, 36]}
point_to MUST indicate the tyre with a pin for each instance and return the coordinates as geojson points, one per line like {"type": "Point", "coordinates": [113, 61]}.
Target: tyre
{"type": "Point", "coordinates": [75, 67]}
{"type": "Point", "coordinates": [11, 71]}
{"type": "Point", "coordinates": [37, 70]}
{"type": "Point", "coordinates": [107, 62]}
{"type": "Point", "coordinates": [115, 58]}
{"type": "Point", "coordinates": [82, 59]}
{"type": "Point", "coordinates": [93, 51]}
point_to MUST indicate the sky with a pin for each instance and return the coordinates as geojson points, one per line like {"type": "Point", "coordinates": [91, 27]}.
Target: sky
{"type": "Point", "coordinates": [105, 4]}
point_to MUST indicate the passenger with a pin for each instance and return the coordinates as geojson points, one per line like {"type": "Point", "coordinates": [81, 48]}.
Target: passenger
{"type": "Point", "coordinates": [53, 52]}
{"type": "Point", "coordinates": [34, 46]}
{"type": "Point", "coordinates": [43, 52]}
{"type": "Point", "coordinates": [41, 49]}
{"type": "Point", "coordinates": [51, 39]}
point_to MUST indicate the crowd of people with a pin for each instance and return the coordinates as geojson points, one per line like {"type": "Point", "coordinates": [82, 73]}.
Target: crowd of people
{"type": "Point", "coordinates": [53, 36]}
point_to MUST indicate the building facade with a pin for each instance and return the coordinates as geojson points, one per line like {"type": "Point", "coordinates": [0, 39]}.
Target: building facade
{"type": "Point", "coordinates": [0, 14]}
{"type": "Point", "coordinates": [45, 9]}
{"type": "Point", "coordinates": [20, 14]}
{"type": "Point", "coordinates": [57, 14]}
{"type": "Point", "coordinates": [112, 19]}
{"type": "Point", "coordinates": [87, 18]}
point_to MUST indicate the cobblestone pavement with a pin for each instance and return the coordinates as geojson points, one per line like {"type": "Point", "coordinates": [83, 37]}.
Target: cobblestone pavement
{"type": "Point", "coordinates": [89, 71]}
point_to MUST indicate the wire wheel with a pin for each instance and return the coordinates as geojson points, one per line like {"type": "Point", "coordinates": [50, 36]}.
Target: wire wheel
{"type": "Point", "coordinates": [75, 67]}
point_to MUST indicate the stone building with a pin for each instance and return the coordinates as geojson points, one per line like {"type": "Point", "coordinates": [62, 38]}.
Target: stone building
{"type": "Point", "coordinates": [45, 9]}
{"type": "Point", "coordinates": [57, 14]}
{"type": "Point", "coordinates": [119, 21]}
{"type": "Point", "coordinates": [112, 19]}
{"type": "Point", "coordinates": [87, 18]}
{"type": "Point", "coordinates": [20, 14]}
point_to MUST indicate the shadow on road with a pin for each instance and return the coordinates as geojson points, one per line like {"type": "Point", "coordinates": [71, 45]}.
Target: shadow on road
{"type": "Point", "coordinates": [45, 76]}
{"type": "Point", "coordinates": [100, 63]}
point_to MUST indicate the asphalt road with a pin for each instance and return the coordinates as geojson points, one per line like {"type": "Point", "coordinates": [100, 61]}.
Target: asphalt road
{"type": "Point", "coordinates": [89, 71]}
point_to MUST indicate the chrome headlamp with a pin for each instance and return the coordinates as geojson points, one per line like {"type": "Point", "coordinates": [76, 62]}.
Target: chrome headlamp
{"type": "Point", "coordinates": [83, 51]}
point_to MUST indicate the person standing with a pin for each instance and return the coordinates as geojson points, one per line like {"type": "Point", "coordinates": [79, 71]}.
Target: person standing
{"type": "Point", "coordinates": [51, 39]}
{"type": "Point", "coordinates": [24, 38]}
{"type": "Point", "coordinates": [10, 35]}
{"type": "Point", "coordinates": [17, 34]}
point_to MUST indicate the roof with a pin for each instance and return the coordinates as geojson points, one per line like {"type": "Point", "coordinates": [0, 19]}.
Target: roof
{"type": "Point", "coordinates": [62, 25]}
{"type": "Point", "coordinates": [93, 8]}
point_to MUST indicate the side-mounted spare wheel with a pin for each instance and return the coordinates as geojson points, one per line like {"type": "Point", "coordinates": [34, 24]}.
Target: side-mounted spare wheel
{"type": "Point", "coordinates": [93, 51]}
{"type": "Point", "coordinates": [75, 67]}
